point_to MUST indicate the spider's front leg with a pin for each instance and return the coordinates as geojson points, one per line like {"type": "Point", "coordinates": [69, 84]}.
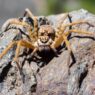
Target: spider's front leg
{"type": "Point", "coordinates": [19, 44]}
{"type": "Point", "coordinates": [62, 38]}
{"type": "Point", "coordinates": [59, 40]}
{"type": "Point", "coordinates": [26, 44]}
{"type": "Point", "coordinates": [28, 13]}
{"type": "Point", "coordinates": [23, 43]}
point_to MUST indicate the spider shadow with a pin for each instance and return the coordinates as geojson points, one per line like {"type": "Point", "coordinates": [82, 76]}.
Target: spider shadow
{"type": "Point", "coordinates": [72, 55]}
{"type": "Point", "coordinates": [5, 72]}
{"type": "Point", "coordinates": [43, 58]}
{"type": "Point", "coordinates": [84, 37]}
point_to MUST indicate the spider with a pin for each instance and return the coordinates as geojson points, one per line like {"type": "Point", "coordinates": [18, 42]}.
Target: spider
{"type": "Point", "coordinates": [46, 37]}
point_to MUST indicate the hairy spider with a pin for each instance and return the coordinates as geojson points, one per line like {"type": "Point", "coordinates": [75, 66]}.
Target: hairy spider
{"type": "Point", "coordinates": [44, 35]}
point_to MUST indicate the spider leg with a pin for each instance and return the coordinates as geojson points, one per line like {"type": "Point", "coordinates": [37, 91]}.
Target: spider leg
{"type": "Point", "coordinates": [29, 14]}
{"type": "Point", "coordinates": [60, 27]}
{"type": "Point", "coordinates": [66, 15]}
{"type": "Point", "coordinates": [17, 54]}
{"type": "Point", "coordinates": [19, 44]}
{"type": "Point", "coordinates": [67, 43]}
{"type": "Point", "coordinates": [10, 21]}
{"type": "Point", "coordinates": [79, 31]}
{"type": "Point", "coordinates": [77, 22]}
{"type": "Point", "coordinates": [17, 22]}
{"type": "Point", "coordinates": [35, 23]}
{"type": "Point", "coordinates": [57, 42]}
{"type": "Point", "coordinates": [63, 27]}
{"type": "Point", "coordinates": [24, 44]}
{"type": "Point", "coordinates": [7, 49]}
{"type": "Point", "coordinates": [59, 39]}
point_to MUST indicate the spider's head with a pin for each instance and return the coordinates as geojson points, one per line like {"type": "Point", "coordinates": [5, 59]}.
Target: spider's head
{"type": "Point", "coordinates": [46, 35]}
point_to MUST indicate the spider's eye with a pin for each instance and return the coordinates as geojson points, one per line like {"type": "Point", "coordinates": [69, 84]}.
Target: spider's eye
{"type": "Point", "coordinates": [40, 19]}
{"type": "Point", "coordinates": [41, 34]}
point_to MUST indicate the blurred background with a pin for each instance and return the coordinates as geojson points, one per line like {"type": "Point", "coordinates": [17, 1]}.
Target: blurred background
{"type": "Point", "coordinates": [15, 8]}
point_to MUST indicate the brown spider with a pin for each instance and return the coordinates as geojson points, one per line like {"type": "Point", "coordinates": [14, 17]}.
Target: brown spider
{"type": "Point", "coordinates": [46, 37]}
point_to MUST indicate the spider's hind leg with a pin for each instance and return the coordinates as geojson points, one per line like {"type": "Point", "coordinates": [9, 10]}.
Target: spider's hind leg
{"type": "Point", "coordinates": [79, 32]}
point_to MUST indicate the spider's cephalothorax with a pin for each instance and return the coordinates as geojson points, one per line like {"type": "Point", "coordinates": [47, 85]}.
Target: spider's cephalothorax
{"type": "Point", "coordinates": [46, 36]}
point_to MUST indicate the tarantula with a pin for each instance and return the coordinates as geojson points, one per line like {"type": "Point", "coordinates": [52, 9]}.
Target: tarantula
{"type": "Point", "coordinates": [45, 36]}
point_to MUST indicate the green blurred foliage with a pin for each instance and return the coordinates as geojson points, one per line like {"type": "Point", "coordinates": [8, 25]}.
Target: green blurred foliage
{"type": "Point", "coordinates": [59, 6]}
{"type": "Point", "coordinates": [88, 4]}
{"type": "Point", "coordinates": [55, 6]}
